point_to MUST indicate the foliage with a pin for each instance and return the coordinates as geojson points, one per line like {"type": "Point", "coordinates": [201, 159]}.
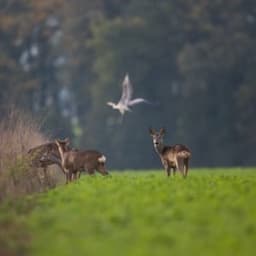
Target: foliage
{"type": "Point", "coordinates": [19, 133]}
{"type": "Point", "coordinates": [193, 59]}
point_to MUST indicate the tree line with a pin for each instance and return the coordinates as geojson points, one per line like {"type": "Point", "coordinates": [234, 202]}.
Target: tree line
{"type": "Point", "coordinates": [63, 60]}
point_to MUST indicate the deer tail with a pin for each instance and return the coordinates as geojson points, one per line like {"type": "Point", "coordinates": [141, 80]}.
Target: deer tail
{"type": "Point", "coordinates": [102, 159]}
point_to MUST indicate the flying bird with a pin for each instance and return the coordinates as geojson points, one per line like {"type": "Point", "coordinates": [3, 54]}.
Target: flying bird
{"type": "Point", "coordinates": [126, 100]}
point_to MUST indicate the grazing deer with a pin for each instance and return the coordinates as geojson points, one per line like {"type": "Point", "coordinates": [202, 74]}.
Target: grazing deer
{"type": "Point", "coordinates": [172, 157]}
{"type": "Point", "coordinates": [45, 155]}
{"type": "Point", "coordinates": [73, 162]}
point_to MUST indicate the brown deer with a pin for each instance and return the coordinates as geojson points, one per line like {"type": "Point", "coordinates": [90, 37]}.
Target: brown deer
{"type": "Point", "coordinates": [172, 157]}
{"type": "Point", "coordinates": [45, 155]}
{"type": "Point", "coordinates": [73, 162]}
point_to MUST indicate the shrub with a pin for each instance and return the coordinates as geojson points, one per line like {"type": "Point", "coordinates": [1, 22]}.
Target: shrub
{"type": "Point", "coordinates": [18, 133]}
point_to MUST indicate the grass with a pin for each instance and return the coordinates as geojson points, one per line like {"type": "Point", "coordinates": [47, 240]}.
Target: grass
{"type": "Point", "coordinates": [212, 212]}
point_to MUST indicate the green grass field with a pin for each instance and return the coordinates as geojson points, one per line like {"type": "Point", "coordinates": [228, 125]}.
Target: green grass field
{"type": "Point", "coordinates": [212, 212]}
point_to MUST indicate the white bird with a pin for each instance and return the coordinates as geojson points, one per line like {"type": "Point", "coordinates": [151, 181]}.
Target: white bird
{"type": "Point", "coordinates": [126, 101]}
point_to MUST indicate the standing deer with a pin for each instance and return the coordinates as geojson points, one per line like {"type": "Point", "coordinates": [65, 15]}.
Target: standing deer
{"type": "Point", "coordinates": [172, 157]}
{"type": "Point", "coordinates": [73, 162]}
{"type": "Point", "coordinates": [45, 155]}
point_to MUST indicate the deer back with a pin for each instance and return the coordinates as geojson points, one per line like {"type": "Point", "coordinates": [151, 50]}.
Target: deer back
{"type": "Point", "coordinates": [76, 159]}
{"type": "Point", "coordinates": [171, 153]}
{"type": "Point", "coordinates": [44, 155]}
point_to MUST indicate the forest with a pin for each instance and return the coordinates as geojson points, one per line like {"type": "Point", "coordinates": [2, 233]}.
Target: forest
{"type": "Point", "coordinates": [62, 61]}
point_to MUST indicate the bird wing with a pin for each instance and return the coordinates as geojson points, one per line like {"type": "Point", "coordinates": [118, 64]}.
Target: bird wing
{"type": "Point", "coordinates": [127, 91]}
{"type": "Point", "coordinates": [110, 103]}
{"type": "Point", "coordinates": [137, 101]}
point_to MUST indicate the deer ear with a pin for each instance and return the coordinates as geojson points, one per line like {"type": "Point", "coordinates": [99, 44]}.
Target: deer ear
{"type": "Point", "coordinates": [162, 131]}
{"type": "Point", "coordinates": [67, 141]}
{"type": "Point", "coordinates": [151, 131]}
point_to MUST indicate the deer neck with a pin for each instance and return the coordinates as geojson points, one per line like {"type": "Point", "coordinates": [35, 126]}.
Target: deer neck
{"type": "Point", "coordinates": [159, 148]}
{"type": "Point", "coordinates": [62, 155]}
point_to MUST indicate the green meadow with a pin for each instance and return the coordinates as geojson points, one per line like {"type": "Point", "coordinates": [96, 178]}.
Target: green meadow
{"type": "Point", "coordinates": [212, 212]}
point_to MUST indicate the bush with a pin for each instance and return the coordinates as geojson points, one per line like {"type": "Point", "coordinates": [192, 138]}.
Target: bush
{"type": "Point", "coordinates": [18, 133]}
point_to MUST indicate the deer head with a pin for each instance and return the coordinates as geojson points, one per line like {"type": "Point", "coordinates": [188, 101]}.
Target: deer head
{"type": "Point", "coordinates": [63, 145]}
{"type": "Point", "coordinates": [157, 136]}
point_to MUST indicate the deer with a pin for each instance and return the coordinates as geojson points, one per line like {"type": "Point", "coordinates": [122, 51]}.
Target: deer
{"type": "Point", "coordinates": [75, 161]}
{"type": "Point", "coordinates": [45, 155]}
{"type": "Point", "coordinates": [172, 157]}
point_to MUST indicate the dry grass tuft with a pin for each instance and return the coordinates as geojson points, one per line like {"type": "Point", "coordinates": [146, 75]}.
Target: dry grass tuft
{"type": "Point", "coordinates": [18, 133]}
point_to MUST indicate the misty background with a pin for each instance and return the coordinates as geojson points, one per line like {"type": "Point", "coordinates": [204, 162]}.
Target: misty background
{"type": "Point", "coordinates": [63, 60]}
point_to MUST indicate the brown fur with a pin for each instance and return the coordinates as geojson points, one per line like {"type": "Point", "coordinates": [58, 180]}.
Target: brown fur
{"type": "Point", "coordinates": [45, 155]}
{"type": "Point", "coordinates": [73, 162]}
{"type": "Point", "coordinates": [172, 157]}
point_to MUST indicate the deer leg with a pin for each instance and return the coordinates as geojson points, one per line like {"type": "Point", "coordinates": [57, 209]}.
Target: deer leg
{"type": "Point", "coordinates": [73, 176]}
{"type": "Point", "coordinates": [180, 165]}
{"type": "Point", "coordinates": [67, 173]}
{"type": "Point", "coordinates": [185, 168]}
{"type": "Point", "coordinates": [79, 173]}
{"type": "Point", "coordinates": [45, 171]}
{"type": "Point", "coordinates": [62, 169]}
{"type": "Point", "coordinates": [40, 177]}
{"type": "Point", "coordinates": [168, 170]}
{"type": "Point", "coordinates": [76, 175]}
{"type": "Point", "coordinates": [174, 171]}
{"type": "Point", "coordinates": [70, 176]}
{"type": "Point", "coordinates": [67, 178]}
{"type": "Point", "coordinates": [45, 180]}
